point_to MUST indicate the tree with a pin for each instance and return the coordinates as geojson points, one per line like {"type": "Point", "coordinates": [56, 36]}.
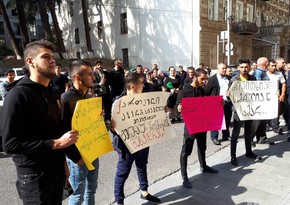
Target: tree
{"type": "Point", "coordinates": [86, 24]}
{"type": "Point", "coordinates": [22, 21]}
{"type": "Point", "coordinates": [44, 20]}
{"type": "Point", "coordinates": [58, 34]}
{"type": "Point", "coordinates": [9, 29]}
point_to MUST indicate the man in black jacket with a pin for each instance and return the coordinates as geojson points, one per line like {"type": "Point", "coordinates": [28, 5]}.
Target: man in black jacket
{"type": "Point", "coordinates": [32, 132]}
{"type": "Point", "coordinates": [218, 85]}
{"type": "Point", "coordinates": [250, 126]}
{"type": "Point", "coordinates": [195, 89]}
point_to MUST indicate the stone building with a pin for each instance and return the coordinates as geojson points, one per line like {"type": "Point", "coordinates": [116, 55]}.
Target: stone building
{"type": "Point", "coordinates": [176, 32]}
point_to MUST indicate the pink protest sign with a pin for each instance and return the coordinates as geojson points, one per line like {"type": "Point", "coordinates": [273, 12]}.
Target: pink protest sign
{"type": "Point", "coordinates": [202, 114]}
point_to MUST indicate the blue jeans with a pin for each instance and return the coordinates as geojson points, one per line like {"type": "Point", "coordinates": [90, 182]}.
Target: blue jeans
{"type": "Point", "coordinates": [123, 170]}
{"type": "Point", "coordinates": [84, 183]}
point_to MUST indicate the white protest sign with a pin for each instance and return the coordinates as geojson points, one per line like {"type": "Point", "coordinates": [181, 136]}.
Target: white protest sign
{"type": "Point", "coordinates": [141, 120]}
{"type": "Point", "coordinates": [255, 100]}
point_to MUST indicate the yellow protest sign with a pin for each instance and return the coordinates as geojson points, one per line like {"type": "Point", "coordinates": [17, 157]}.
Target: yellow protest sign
{"type": "Point", "coordinates": [94, 140]}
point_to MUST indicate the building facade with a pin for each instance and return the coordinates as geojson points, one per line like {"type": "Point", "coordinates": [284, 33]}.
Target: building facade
{"type": "Point", "coordinates": [179, 32]}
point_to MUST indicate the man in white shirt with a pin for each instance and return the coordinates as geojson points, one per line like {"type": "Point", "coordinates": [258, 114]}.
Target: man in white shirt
{"type": "Point", "coordinates": [275, 75]}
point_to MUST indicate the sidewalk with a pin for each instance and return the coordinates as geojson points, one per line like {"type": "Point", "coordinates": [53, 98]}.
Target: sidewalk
{"type": "Point", "coordinates": [253, 182]}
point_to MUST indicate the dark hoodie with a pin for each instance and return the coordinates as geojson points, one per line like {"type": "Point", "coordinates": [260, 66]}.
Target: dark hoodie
{"type": "Point", "coordinates": [31, 119]}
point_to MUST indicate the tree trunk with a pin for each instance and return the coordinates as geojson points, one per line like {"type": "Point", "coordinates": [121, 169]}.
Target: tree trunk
{"type": "Point", "coordinates": [22, 22]}
{"type": "Point", "coordinates": [60, 44]}
{"type": "Point", "coordinates": [9, 29]}
{"type": "Point", "coordinates": [44, 20]}
{"type": "Point", "coordinates": [86, 24]}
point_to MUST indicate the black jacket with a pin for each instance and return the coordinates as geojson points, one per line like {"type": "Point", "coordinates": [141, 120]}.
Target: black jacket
{"type": "Point", "coordinates": [31, 120]}
{"type": "Point", "coordinates": [190, 91]}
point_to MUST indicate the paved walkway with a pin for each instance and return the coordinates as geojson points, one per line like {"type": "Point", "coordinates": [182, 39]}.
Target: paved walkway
{"type": "Point", "coordinates": [253, 182]}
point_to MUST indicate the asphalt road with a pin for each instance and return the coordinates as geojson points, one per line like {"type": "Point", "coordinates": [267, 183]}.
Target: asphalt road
{"type": "Point", "coordinates": [163, 161]}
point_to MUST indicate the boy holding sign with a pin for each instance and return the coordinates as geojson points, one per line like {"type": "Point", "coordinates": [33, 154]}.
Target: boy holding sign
{"type": "Point", "coordinates": [82, 180]}
{"type": "Point", "coordinates": [133, 85]}
{"type": "Point", "coordinates": [195, 89]}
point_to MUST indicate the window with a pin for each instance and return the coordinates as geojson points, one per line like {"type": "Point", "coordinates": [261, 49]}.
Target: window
{"type": "Point", "coordinates": [16, 29]}
{"type": "Point", "coordinates": [225, 10]}
{"type": "Point", "coordinates": [14, 12]}
{"type": "Point", "coordinates": [2, 30]}
{"type": "Point", "coordinates": [212, 9]}
{"type": "Point", "coordinates": [32, 29]}
{"type": "Point", "coordinates": [77, 36]}
{"type": "Point", "coordinates": [71, 8]}
{"type": "Point", "coordinates": [100, 29]}
{"type": "Point", "coordinates": [40, 31]}
{"type": "Point", "coordinates": [250, 10]}
{"type": "Point", "coordinates": [124, 26]}
{"type": "Point", "coordinates": [125, 57]}
{"type": "Point", "coordinates": [239, 11]}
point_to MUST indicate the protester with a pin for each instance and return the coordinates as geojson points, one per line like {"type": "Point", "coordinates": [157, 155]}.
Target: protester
{"type": "Point", "coordinates": [173, 84]}
{"type": "Point", "coordinates": [133, 85]}
{"type": "Point", "coordinates": [189, 78]}
{"type": "Point", "coordinates": [102, 88]}
{"type": "Point", "coordinates": [277, 76]}
{"type": "Point", "coordinates": [82, 180]}
{"type": "Point", "coordinates": [218, 85]}
{"type": "Point", "coordinates": [181, 73]}
{"type": "Point", "coordinates": [32, 132]}
{"type": "Point", "coordinates": [117, 79]}
{"type": "Point", "coordinates": [260, 73]}
{"type": "Point", "coordinates": [250, 126]}
{"type": "Point", "coordinates": [60, 81]}
{"type": "Point", "coordinates": [195, 89]}
{"type": "Point", "coordinates": [10, 77]}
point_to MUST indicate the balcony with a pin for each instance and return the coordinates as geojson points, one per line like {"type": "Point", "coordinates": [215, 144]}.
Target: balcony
{"type": "Point", "coordinates": [244, 27]}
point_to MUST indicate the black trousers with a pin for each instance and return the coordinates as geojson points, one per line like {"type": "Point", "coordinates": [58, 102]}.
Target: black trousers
{"type": "Point", "coordinates": [188, 141]}
{"type": "Point", "coordinates": [250, 129]}
{"type": "Point", "coordinates": [41, 187]}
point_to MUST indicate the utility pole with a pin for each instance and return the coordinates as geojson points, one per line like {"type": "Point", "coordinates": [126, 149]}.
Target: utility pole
{"type": "Point", "coordinates": [228, 30]}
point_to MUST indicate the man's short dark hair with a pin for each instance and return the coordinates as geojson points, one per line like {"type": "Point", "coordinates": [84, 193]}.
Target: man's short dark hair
{"type": "Point", "coordinates": [243, 60]}
{"type": "Point", "coordinates": [132, 78]}
{"type": "Point", "coordinates": [32, 49]}
{"type": "Point", "coordinates": [272, 61]}
{"type": "Point", "coordinates": [9, 71]}
{"type": "Point", "coordinates": [75, 67]}
{"type": "Point", "coordinates": [98, 62]}
{"type": "Point", "coordinates": [199, 71]}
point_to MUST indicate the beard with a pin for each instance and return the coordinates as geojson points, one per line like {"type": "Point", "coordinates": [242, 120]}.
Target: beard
{"type": "Point", "coordinates": [45, 72]}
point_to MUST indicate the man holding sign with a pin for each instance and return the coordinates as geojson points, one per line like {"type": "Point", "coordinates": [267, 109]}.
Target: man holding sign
{"type": "Point", "coordinates": [82, 180]}
{"type": "Point", "coordinates": [133, 85]}
{"type": "Point", "coordinates": [195, 89]}
{"type": "Point", "coordinates": [250, 126]}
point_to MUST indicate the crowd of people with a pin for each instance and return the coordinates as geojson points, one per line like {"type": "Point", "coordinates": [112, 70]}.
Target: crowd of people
{"type": "Point", "coordinates": [39, 107]}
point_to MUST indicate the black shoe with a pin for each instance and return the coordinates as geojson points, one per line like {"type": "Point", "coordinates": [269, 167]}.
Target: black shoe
{"type": "Point", "coordinates": [253, 156]}
{"type": "Point", "coordinates": [279, 131]}
{"type": "Point", "coordinates": [216, 142]}
{"type": "Point", "coordinates": [173, 120]}
{"type": "Point", "coordinates": [186, 183]}
{"type": "Point", "coordinates": [225, 139]}
{"type": "Point", "coordinates": [234, 161]}
{"type": "Point", "coordinates": [150, 198]}
{"type": "Point", "coordinates": [208, 169]}
{"type": "Point", "coordinates": [262, 140]}
{"type": "Point", "coordinates": [178, 119]}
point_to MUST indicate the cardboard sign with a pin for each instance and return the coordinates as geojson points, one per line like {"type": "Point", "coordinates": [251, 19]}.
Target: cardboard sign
{"type": "Point", "coordinates": [141, 120]}
{"type": "Point", "coordinates": [255, 100]}
{"type": "Point", "coordinates": [202, 114]}
{"type": "Point", "coordinates": [94, 140]}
